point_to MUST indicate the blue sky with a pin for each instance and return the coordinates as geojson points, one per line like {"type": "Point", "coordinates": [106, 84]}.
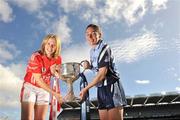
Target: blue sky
{"type": "Point", "coordinates": [143, 34]}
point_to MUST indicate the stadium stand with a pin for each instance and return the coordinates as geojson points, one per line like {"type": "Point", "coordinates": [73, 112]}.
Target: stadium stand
{"type": "Point", "coordinates": [140, 107]}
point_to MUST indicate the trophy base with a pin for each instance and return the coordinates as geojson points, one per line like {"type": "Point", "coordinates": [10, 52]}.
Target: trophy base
{"type": "Point", "coordinates": [70, 97]}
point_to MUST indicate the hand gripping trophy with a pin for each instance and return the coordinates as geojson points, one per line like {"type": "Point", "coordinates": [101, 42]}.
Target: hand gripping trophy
{"type": "Point", "coordinates": [70, 73]}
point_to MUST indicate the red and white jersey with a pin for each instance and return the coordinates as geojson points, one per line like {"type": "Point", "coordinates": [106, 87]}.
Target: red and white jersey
{"type": "Point", "coordinates": [40, 64]}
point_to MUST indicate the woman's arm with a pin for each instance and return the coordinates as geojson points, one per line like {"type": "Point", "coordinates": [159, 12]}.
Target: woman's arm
{"type": "Point", "coordinates": [42, 84]}
{"type": "Point", "coordinates": [98, 78]}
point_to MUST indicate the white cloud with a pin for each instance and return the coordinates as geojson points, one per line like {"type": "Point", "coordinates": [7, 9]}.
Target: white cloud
{"type": "Point", "coordinates": [74, 5]}
{"type": "Point", "coordinates": [45, 17]}
{"type": "Point", "coordinates": [37, 8]}
{"type": "Point", "coordinates": [111, 10]}
{"type": "Point", "coordinates": [5, 12]}
{"type": "Point", "coordinates": [10, 85]}
{"type": "Point", "coordinates": [134, 11]}
{"type": "Point", "coordinates": [18, 69]}
{"type": "Point", "coordinates": [62, 29]}
{"type": "Point", "coordinates": [76, 53]}
{"type": "Point", "coordinates": [163, 92]}
{"type": "Point", "coordinates": [8, 51]}
{"type": "Point", "coordinates": [135, 48]}
{"type": "Point", "coordinates": [92, 10]}
{"type": "Point", "coordinates": [30, 5]}
{"type": "Point", "coordinates": [142, 81]}
{"type": "Point", "coordinates": [177, 89]}
{"type": "Point", "coordinates": [159, 4]}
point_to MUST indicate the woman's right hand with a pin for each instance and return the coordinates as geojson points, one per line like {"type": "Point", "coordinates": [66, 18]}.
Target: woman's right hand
{"type": "Point", "coordinates": [59, 97]}
{"type": "Point", "coordinates": [86, 64]}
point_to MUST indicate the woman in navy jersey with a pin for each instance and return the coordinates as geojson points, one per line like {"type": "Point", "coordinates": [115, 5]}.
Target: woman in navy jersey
{"type": "Point", "coordinates": [110, 93]}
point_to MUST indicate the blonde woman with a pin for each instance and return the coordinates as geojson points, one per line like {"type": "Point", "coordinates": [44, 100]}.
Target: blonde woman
{"type": "Point", "coordinates": [36, 90]}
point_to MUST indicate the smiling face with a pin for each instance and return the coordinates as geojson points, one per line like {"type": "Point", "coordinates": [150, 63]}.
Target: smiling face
{"type": "Point", "coordinates": [50, 47]}
{"type": "Point", "coordinates": [92, 36]}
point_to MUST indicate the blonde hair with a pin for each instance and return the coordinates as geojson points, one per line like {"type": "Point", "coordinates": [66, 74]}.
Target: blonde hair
{"type": "Point", "coordinates": [58, 45]}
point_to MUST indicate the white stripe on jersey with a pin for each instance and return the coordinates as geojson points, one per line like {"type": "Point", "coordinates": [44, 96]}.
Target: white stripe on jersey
{"type": "Point", "coordinates": [103, 52]}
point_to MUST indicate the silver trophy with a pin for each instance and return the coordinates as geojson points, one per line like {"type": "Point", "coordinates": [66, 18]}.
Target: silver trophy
{"type": "Point", "coordinates": [70, 73]}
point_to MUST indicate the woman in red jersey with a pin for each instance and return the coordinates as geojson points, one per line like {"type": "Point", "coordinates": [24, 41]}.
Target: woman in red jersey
{"type": "Point", "coordinates": [36, 90]}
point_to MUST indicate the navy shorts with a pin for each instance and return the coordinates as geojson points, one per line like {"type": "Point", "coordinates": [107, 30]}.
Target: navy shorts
{"type": "Point", "coordinates": [111, 96]}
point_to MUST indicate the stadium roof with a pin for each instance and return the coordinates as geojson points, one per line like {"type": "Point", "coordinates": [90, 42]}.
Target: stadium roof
{"type": "Point", "coordinates": [137, 100]}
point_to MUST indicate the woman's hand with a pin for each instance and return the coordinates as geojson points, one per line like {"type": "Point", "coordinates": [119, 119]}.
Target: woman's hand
{"type": "Point", "coordinates": [82, 93]}
{"type": "Point", "coordinates": [55, 70]}
{"type": "Point", "coordinates": [59, 98]}
{"type": "Point", "coordinates": [86, 64]}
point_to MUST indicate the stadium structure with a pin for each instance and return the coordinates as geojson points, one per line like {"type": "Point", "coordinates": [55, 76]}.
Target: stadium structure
{"type": "Point", "coordinates": [140, 107]}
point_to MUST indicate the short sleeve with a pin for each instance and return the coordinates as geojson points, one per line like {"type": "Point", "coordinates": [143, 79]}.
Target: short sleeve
{"type": "Point", "coordinates": [35, 64]}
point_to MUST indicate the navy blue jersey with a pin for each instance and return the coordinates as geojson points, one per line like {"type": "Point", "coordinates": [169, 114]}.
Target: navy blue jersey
{"type": "Point", "coordinates": [101, 56]}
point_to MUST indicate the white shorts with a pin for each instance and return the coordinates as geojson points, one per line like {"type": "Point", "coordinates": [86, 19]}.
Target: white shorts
{"type": "Point", "coordinates": [35, 94]}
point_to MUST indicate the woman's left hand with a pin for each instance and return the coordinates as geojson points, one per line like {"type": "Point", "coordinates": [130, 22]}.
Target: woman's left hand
{"type": "Point", "coordinates": [55, 69]}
